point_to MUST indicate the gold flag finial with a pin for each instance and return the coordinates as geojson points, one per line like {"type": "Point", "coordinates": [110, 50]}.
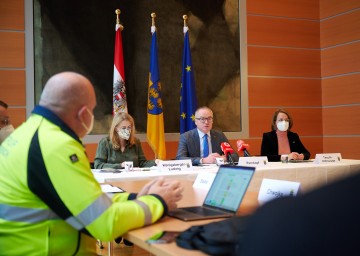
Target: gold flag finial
{"type": "Point", "coordinates": [185, 18]}
{"type": "Point", "coordinates": [153, 16]}
{"type": "Point", "coordinates": [117, 12]}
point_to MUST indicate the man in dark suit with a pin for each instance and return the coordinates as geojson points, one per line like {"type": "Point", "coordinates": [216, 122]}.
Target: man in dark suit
{"type": "Point", "coordinates": [324, 221]}
{"type": "Point", "coordinates": [202, 144]}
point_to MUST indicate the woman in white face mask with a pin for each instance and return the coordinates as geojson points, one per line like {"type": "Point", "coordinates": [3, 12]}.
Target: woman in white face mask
{"type": "Point", "coordinates": [281, 141]}
{"type": "Point", "coordinates": [121, 146]}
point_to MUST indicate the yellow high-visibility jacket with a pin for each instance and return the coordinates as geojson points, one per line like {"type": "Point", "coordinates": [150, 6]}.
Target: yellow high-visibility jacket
{"type": "Point", "coordinates": [50, 202]}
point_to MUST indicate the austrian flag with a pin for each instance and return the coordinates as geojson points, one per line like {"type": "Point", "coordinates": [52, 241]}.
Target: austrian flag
{"type": "Point", "coordinates": [119, 91]}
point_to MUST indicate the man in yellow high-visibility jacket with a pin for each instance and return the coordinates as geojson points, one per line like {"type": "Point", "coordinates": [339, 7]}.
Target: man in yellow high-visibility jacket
{"type": "Point", "coordinates": [50, 203]}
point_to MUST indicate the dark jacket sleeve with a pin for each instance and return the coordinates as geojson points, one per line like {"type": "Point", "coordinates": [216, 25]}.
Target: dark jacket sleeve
{"type": "Point", "coordinates": [297, 146]}
{"type": "Point", "coordinates": [269, 147]}
{"type": "Point", "coordinates": [143, 162]}
{"type": "Point", "coordinates": [189, 148]}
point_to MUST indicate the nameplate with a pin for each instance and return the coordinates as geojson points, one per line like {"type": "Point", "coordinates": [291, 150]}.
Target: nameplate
{"type": "Point", "coordinates": [175, 165]}
{"type": "Point", "coordinates": [253, 161]}
{"type": "Point", "coordinates": [271, 189]}
{"type": "Point", "coordinates": [204, 180]}
{"type": "Point", "coordinates": [327, 158]}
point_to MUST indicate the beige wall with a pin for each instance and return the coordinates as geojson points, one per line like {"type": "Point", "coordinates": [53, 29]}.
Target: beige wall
{"type": "Point", "coordinates": [302, 55]}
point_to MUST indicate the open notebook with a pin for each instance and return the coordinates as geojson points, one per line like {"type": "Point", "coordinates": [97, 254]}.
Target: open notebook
{"type": "Point", "coordinates": [224, 196]}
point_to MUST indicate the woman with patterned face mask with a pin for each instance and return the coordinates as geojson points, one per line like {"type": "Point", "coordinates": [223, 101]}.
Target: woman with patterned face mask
{"type": "Point", "coordinates": [281, 141]}
{"type": "Point", "coordinates": [121, 146]}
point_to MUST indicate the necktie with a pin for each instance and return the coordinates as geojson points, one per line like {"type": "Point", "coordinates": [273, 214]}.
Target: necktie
{"type": "Point", "coordinates": [206, 146]}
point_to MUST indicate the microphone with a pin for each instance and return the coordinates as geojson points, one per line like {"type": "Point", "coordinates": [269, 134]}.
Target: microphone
{"type": "Point", "coordinates": [226, 148]}
{"type": "Point", "coordinates": [242, 146]}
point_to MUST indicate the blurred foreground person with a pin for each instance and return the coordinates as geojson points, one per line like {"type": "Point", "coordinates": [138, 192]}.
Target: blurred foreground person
{"type": "Point", "coordinates": [324, 221]}
{"type": "Point", "coordinates": [50, 202]}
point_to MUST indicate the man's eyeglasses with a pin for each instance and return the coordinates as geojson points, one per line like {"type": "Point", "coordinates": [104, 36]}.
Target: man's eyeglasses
{"type": "Point", "coordinates": [203, 119]}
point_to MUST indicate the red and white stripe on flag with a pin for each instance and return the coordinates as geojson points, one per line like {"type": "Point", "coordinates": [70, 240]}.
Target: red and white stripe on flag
{"type": "Point", "coordinates": [119, 91]}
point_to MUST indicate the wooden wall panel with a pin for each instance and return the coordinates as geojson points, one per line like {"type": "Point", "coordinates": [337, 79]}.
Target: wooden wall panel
{"type": "Point", "coordinates": [308, 9]}
{"type": "Point", "coordinates": [284, 91]}
{"type": "Point", "coordinates": [12, 87]}
{"type": "Point", "coordinates": [333, 7]}
{"type": "Point", "coordinates": [266, 61]}
{"type": "Point", "coordinates": [341, 90]}
{"type": "Point", "coordinates": [348, 147]}
{"type": "Point", "coordinates": [341, 120]}
{"type": "Point", "coordinates": [17, 115]}
{"type": "Point", "coordinates": [12, 14]}
{"type": "Point", "coordinates": [12, 50]}
{"type": "Point", "coordinates": [341, 60]}
{"type": "Point", "coordinates": [283, 32]}
{"type": "Point", "coordinates": [307, 121]}
{"type": "Point", "coordinates": [340, 29]}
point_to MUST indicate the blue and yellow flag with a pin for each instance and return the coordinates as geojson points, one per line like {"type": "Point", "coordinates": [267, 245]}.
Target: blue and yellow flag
{"type": "Point", "coordinates": [188, 100]}
{"type": "Point", "coordinates": [155, 118]}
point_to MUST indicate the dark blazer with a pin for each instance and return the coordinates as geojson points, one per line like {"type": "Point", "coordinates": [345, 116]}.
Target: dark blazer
{"type": "Point", "coordinates": [324, 221]}
{"type": "Point", "coordinates": [270, 147]}
{"type": "Point", "coordinates": [189, 145]}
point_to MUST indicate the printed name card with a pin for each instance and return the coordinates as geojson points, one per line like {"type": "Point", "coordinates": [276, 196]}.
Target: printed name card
{"type": "Point", "coordinates": [272, 189]}
{"type": "Point", "coordinates": [253, 161]}
{"type": "Point", "coordinates": [327, 158]}
{"type": "Point", "coordinates": [175, 165]}
{"type": "Point", "coordinates": [204, 180]}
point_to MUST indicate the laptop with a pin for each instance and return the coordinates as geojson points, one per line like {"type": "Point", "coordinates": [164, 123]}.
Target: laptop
{"type": "Point", "coordinates": [224, 196]}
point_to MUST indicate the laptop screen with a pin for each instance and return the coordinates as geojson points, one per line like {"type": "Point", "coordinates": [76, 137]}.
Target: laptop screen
{"type": "Point", "coordinates": [229, 187]}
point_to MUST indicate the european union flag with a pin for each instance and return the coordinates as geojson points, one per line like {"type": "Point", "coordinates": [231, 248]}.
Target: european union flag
{"type": "Point", "coordinates": [188, 100]}
{"type": "Point", "coordinates": [155, 118]}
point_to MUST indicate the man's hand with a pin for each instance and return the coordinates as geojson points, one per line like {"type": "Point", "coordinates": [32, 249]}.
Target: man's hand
{"type": "Point", "coordinates": [210, 159]}
{"type": "Point", "coordinates": [170, 191]}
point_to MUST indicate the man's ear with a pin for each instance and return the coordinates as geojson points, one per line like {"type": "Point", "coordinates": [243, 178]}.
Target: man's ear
{"type": "Point", "coordinates": [81, 112]}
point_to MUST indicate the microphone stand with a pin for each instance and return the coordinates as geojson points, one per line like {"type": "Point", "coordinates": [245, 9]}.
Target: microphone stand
{"type": "Point", "coordinates": [230, 159]}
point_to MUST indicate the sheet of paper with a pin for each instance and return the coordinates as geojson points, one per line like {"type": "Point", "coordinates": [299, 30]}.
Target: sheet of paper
{"type": "Point", "coordinates": [106, 188]}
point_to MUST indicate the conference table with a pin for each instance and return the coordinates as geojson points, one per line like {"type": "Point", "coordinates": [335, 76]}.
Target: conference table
{"type": "Point", "coordinates": [191, 196]}
{"type": "Point", "coordinates": [309, 174]}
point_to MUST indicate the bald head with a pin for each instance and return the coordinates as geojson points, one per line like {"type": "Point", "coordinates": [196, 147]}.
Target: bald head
{"type": "Point", "coordinates": [66, 94]}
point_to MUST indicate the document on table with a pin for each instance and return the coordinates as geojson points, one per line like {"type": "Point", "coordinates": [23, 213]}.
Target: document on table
{"type": "Point", "coordinates": [107, 188]}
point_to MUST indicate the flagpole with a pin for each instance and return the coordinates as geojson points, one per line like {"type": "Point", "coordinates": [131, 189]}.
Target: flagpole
{"type": "Point", "coordinates": [185, 18]}
{"type": "Point", "coordinates": [117, 12]}
{"type": "Point", "coordinates": [153, 16]}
